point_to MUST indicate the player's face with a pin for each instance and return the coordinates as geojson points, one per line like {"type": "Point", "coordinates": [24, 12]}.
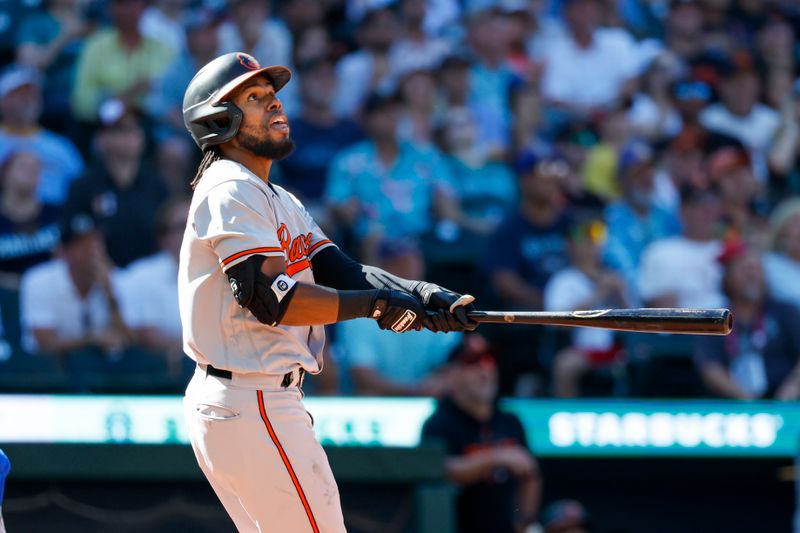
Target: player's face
{"type": "Point", "coordinates": [265, 127]}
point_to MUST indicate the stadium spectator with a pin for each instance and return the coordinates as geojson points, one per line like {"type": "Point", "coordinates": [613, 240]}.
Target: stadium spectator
{"type": "Point", "coordinates": [366, 70]}
{"type": "Point", "coordinates": [603, 158]}
{"type": "Point", "coordinates": [488, 456]}
{"type": "Point", "coordinates": [490, 76]}
{"type": "Point", "coordinates": [382, 363]}
{"type": "Point", "coordinates": [50, 40]}
{"type": "Point", "coordinates": [486, 188]}
{"type": "Point", "coordinates": [759, 358]}
{"type": "Point", "coordinates": [652, 114]}
{"type": "Point", "coordinates": [683, 30]}
{"type": "Point", "coordinates": [319, 136]}
{"type": "Point", "coordinates": [70, 303]}
{"type": "Point", "coordinates": [530, 244]}
{"type": "Point", "coordinates": [20, 130]}
{"type": "Point", "coordinates": [162, 20]}
{"type": "Point", "coordinates": [585, 284]}
{"type": "Point", "coordinates": [585, 51]}
{"type": "Point", "coordinates": [633, 221]}
{"type": "Point", "coordinates": [118, 62]}
{"type": "Point", "coordinates": [415, 49]}
{"type": "Point", "coordinates": [682, 270]}
{"type": "Point", "coordinates": [121, 190]}
{"type": "Point", "coordinates": [742, 195]}
{"type": "Point", "coordinates": [417, 93]}
{"type": "Point", "coordinates": [740, 115]}
{"type": "Point", "coordinates": [565, 516]}
{"type": "Point", "coordinates": [149, 290]}
{"type": "Point", "coordinates": [381, 188]}
{"type": "Point", "coordinates": [782, 262]}
{"type": "Point", "coordinates": [28, 227]}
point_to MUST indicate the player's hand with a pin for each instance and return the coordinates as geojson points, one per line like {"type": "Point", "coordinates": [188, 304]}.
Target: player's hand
{"type": "Point", "coordinates": [447, 310]}
{"type": "Point", "coordinates": [397, 310]}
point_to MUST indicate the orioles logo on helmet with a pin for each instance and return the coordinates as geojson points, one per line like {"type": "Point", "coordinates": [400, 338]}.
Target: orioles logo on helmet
{"type": "Point", "coordinates": [248, 61]}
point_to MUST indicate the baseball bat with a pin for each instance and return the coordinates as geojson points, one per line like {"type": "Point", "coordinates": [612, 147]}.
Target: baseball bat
{"type": "Point", "coordinates": [654, 320]}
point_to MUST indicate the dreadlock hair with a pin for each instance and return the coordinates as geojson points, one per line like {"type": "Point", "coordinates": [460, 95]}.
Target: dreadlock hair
{"type": "Point", "coordinates": [210, 154]}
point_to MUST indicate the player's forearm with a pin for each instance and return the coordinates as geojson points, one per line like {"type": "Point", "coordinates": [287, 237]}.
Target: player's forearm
{"type": "Point", "coordinates": [468, 469]}
{"type": "Point", "coordinates": [313, 305]}
{"type": "Point", "coordinates": [333, 268]}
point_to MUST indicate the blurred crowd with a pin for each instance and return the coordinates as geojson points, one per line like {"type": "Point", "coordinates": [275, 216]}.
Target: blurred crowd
{"type": "Point", "coordinates": [539, 154]}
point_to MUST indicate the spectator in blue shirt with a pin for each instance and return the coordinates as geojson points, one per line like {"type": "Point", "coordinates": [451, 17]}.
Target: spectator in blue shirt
{"type": "Point", "coordinates": [634, 221]}
{"type": "Point", "coordinates": [20, 130]}
{"type": "Point", "coordinates": [381, 188]}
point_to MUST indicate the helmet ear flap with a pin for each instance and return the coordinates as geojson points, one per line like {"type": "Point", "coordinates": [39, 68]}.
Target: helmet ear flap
{"type": "Point", "coordinates": [218, 127]}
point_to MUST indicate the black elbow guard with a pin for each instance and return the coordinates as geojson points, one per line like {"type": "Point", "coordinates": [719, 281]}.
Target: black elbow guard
{"type": "Point", "coordinates": [267, 298]}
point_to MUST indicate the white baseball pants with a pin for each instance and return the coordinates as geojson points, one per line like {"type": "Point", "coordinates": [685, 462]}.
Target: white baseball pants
{"type": "Point", "coordinates": [254, 442]}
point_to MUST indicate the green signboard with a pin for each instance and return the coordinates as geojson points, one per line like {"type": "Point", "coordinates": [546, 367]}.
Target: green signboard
{"type": "Point", "coordinates": [555, 428]}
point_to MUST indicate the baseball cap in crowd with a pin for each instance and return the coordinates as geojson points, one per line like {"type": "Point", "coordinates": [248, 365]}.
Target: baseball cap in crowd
{"type": "Point", "coordinates": [528, 161]}
{"type": "Point", "coordinates": [113, 112]}
{"type": "Point", "coordinates": [565, 515]}
{"type": "Point", "coordinates": [633, 154]}
{"type": "Point", "coordinates": [74, 226]}
{"type": "Point", "coordinates": [689, 90]}
{"type": "Point", "coordinates": [15, 76]}
{"type": "Point", "coordinates": [732, 249]}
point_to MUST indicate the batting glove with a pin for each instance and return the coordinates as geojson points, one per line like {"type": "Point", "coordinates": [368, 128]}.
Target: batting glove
{"type": "Point", "coordinates": [446, 310]}
{"type": "Point", "coordinates": [397, 311]}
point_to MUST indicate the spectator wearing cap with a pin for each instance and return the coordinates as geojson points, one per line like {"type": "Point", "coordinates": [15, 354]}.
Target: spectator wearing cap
{"type": "Point", "coordinates": [252, 28]}
{"type": "Point", "coordinates": [366, 70]}
{"type": "Point", "coordinates": [69, 303]}
{"type": "Point", "coordinates": [565, 516]}
{"type": "Point", "coordinates": [118, 62]}
{"type": "Point", "coordinates": [319, 136]}
{"type": "Point", "coordinates": [28, 227]}
{"type": "Point", "coordinates": [149, 290]}
{"type": "Point", "coordinates": [50, 40]}
{"type": "Point", "coordinates": [381, 188]}
{"type": "Point", "coordinates": [384, 364]}
{"type": "Point", "coordinates": [635, 220]}
{"type": "Point", "coordinates": [759, 358]}
{"type": "Point", "coordinates": [488, 458]}
{"type": "Point", "coordinates": [743, 206]}
{"type": "Point", "coordinates": [740, 114]}
{"type": "Point", "coordinates": [585, 284]}
{"type": "Point", "coordinates": [121, 190]}
{"type": "Point", "coordinates": [606, 56]}
{"type": "Point", "coordinates": [782, 262]}
{"type": "Point", "coordinates": [20, 130]}
{"type": "Point", "coordinates": [682, 270]}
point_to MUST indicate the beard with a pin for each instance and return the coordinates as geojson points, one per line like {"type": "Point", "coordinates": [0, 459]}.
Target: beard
{"type": "Point", "coordinates": [266, 147]}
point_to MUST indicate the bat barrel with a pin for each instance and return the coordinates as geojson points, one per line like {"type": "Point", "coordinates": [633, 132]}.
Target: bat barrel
{"type": "Point", "coordinates": [655, 320]}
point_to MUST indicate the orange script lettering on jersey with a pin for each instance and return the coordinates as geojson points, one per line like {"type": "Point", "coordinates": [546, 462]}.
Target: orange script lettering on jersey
{"type": "Point", "coordinates": [296, 248]}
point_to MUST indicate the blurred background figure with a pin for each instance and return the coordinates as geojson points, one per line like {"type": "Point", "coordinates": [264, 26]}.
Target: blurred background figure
{"type": "Point", "coordinates": [382, 363]}
{"type": "Point", "coordinates": [20, 129]}
{"type": "Point", "coordinates": [149, 293]}
{"type": "Point", "coordinates": [761, 356]}
{"type": "Point", "coordinates": [488, 456]}
{"type": "Point", "coordinates": [585, 284]}
{"type": "Point", "coordinates": [50, 41]}
{"type": "Point", "coordinates": [28, 227]}
{"type": "Point", "coordinates": [118, 62]}
{"type": "Point", "coordinates": [782, 262]}
{"type": "Point", "coordinates": [565, 516]}
{"type": "Point", "coordinates": [121, 189]}
{"type": "Point", "coordinates": [380, 187]}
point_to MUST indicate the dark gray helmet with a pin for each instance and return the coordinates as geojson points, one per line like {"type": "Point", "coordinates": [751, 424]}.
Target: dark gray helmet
{"type": "Point", "coordinates": [208, 117]}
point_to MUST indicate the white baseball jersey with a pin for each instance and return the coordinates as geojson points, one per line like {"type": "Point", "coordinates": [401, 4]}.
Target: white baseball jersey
{"type": "Point", "coordinates": [235, 215]}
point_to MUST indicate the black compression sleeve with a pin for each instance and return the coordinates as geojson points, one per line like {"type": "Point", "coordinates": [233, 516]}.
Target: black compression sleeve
{"type": "Point", "coordinates": [333, 268]}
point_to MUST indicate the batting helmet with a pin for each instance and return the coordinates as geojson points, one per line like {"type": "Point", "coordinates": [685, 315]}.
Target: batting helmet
{"type": "Point", "coordinates": [208, 117]}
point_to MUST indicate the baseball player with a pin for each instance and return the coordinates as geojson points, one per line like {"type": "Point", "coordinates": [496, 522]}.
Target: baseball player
{"type": "Point", "coordinates": [257, 280]}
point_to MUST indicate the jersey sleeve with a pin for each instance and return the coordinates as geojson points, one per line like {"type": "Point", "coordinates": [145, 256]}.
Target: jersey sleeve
{"type": "Point", "coordinates": [237, 221]}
